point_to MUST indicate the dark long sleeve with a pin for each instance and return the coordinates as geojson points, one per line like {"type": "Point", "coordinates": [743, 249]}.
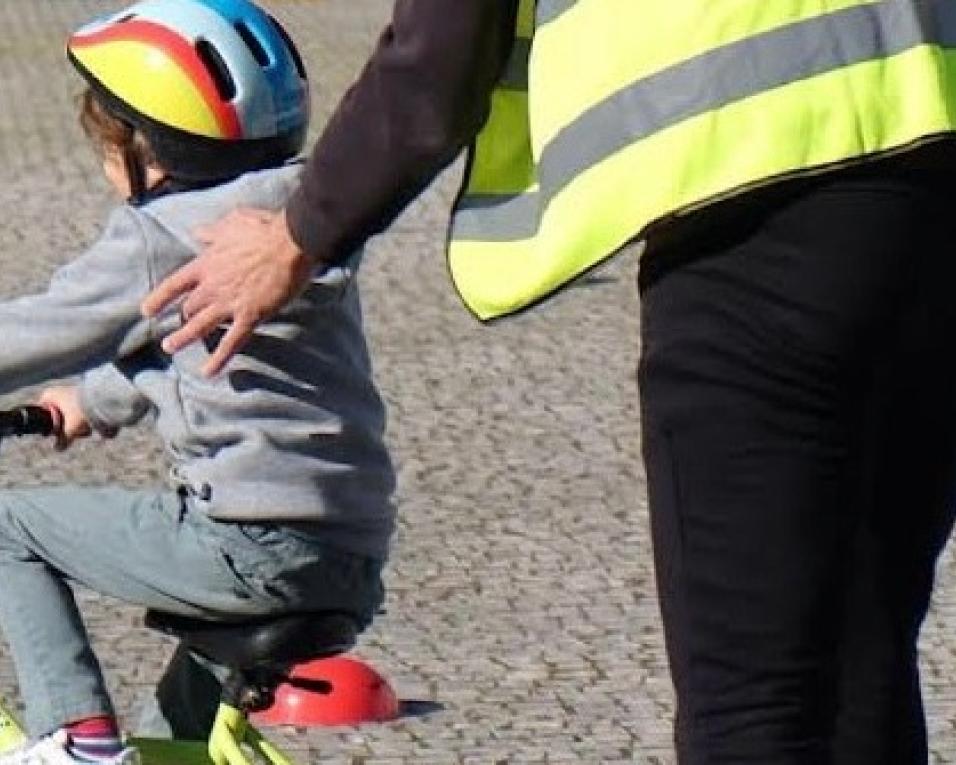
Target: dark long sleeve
{"type": "Point", "coordinates": [423, 95]}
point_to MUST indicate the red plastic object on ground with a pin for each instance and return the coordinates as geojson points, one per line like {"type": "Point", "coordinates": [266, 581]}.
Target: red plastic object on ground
{"type": "Point", "coordinates": [334, 691]}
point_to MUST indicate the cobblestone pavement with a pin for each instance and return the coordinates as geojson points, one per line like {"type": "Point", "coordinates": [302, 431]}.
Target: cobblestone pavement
{"type": "Point", "coordinates": [521, 624]}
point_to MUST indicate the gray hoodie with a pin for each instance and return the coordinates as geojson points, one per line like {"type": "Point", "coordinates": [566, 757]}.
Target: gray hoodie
{"type": "Point", "coordinates": [291, 430]}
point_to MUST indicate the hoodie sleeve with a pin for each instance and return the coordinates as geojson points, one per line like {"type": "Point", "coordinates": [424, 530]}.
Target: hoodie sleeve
{"type": "Point", "coordinates": [110, 399]}
{"type": "Point", "coordinates": [422, 97]}
{"type": "Point", "coordinates": [89, 314]}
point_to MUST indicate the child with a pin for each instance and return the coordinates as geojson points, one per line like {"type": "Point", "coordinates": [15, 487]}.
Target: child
{"type": "Point", "coordinates": [281, 482]}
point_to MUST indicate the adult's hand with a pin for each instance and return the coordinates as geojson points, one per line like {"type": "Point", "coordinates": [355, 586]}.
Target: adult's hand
{"type": "Point", "coordinates": [249, 269]}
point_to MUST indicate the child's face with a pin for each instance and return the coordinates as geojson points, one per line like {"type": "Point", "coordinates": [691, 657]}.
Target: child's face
{"type": "Point", "coordinates": [114, 168]}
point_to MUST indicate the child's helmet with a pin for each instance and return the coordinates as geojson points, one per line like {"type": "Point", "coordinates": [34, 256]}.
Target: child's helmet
{"type": "Point", "coordinates": [216, 86]}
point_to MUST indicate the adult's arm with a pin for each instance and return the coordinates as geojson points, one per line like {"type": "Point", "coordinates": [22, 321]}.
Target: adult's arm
{"type": "Point", "coordinates": [421, 97]}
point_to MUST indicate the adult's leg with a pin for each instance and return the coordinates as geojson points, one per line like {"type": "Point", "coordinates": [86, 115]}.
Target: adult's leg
{"type": "Point", "coordinates": [907, 503]}
{"type": "Point", "coordinates": [754, 358]}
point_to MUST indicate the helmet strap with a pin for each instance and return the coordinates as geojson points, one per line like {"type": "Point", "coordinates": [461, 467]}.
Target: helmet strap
{"type": "Point", "coordinates": [135, 172]}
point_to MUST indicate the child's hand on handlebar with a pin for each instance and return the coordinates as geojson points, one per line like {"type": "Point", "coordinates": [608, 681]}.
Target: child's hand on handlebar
{"type": "Point", "coordinates": [63, 401]}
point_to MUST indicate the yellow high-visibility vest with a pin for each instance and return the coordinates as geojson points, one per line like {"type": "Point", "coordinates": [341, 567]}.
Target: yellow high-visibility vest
{"type": "Point", "coordinates": [616, 114]}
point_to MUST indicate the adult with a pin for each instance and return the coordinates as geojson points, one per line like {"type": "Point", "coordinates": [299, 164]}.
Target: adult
{"type": "Point", "coordinates": [788, 166]}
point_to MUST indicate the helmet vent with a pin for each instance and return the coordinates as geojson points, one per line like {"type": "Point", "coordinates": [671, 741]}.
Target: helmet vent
{"type": "Point", "coordinates": [124, 19]}
{"type": "Point", "coordinates": [255, 47]}
{"type": "Point", "coordinates": [290, 46]}
{"type": "Point", "coordinates": [216, 66]}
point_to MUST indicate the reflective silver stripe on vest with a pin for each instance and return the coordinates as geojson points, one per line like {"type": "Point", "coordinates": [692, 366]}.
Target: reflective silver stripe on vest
{"type": "Point", "coordinates": [739, 70]}
{"type": "Point", "coordinates": [548, 10]}
{"type": "Point", "coordinates": [496, 217]}
{"type": "Point", "coordinates": [731, 73]}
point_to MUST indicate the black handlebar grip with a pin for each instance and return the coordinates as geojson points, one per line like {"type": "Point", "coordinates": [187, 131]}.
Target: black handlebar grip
{"type": "Point", "coordinates": [26, 421]}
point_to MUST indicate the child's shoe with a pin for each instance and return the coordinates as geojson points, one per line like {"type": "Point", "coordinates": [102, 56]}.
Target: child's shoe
{"type": "Point", "coordinates": [52, 750]}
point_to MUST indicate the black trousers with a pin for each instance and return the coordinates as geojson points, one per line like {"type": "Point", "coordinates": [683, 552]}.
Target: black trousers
{"type": "Point", "coordinates": [798, 388]}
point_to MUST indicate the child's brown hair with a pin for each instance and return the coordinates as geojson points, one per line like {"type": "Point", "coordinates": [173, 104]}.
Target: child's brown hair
{"type": "Point", "coordinates": [109, 132]}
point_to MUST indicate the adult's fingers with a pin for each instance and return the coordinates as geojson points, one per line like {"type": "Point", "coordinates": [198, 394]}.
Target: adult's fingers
{"type": "Point", "coordinates": [234, 338]}
{"type": "Point", "coordinates": [194, 328]}
{"type": "Point", "coordinates": [200, 299]}
{"type": "Point", "coordinates": [172, 287]}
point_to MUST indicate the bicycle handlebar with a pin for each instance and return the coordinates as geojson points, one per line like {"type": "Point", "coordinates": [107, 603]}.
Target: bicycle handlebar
{"type": "Point", "coordinates": [26, 421]}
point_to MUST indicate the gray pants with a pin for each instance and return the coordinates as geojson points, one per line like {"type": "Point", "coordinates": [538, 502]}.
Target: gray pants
{"type": "Point", "coordinates": [149, 548]}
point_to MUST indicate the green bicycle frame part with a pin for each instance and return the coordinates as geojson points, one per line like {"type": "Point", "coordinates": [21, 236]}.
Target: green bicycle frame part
{"type": "Point", "coordinates": [233, 741]}
{"type": "Point", "coordinates": [12, 735]}
{"type": "Point", "coordinates": [232, 729]}
{"type": "Point", "coordinates": [157, 751]}
{"type": "Point", "coordinates": [231, 737]}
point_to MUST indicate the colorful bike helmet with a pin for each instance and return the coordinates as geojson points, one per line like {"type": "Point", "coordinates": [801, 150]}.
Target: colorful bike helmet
{"type": "Point", "coordinates": [216, 86]}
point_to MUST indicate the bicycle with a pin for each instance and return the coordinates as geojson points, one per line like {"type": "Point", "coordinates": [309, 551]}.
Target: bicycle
{"type": "Point", "coordinates": [259, 655]}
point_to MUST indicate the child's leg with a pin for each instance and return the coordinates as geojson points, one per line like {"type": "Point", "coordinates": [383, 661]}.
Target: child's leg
{"type": "Point", "coordinates": [275, 564]}
{"type": "Point", "coordinates": [137, 546]}
{"type": "Point", "coordinates": [147, 548]}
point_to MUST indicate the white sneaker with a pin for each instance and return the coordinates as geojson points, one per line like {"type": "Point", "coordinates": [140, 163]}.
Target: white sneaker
{"type": "Point", "coordinates": [52, 750]}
